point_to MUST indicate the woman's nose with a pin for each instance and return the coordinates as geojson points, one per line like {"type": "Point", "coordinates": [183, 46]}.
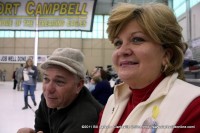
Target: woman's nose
{"type": "Point", "coordinates": [124, 50]}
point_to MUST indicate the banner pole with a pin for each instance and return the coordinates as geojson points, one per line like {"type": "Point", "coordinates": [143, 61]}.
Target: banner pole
{"type": "Point", "coordinates": [36, 42]}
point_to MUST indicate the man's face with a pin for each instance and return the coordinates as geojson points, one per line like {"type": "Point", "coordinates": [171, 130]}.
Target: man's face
{"type": "Point", "coordinates": [60, 87]}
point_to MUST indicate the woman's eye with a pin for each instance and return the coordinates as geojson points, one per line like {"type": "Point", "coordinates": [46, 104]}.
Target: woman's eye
{"type": "Point", "coordinates": [137, 40]}
{"type": "Point", "coordinates": [117, 43]}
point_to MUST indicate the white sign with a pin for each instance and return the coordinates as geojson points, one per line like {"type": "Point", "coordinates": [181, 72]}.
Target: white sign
{"type": "Point", "coordinates": [52, 14]}
{"type": "Point", "coordinates": [20, 58]}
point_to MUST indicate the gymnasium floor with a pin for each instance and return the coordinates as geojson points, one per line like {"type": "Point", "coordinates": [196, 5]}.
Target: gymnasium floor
{"type": "Point", "coordinates": [12, 117]}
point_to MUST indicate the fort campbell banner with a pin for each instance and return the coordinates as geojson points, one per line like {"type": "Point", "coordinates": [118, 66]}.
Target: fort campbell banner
{"type": "Point", "coordinates": [47, 14]}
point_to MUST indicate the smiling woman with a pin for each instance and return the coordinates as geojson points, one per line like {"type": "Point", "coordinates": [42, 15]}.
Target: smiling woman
{"type": "Point", "coordinates": [133, 57]}
{"type": "Point", "coordinates": [148, 58]}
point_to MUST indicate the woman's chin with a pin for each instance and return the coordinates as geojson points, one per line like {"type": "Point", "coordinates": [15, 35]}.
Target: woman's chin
{"type": "Point", "coordinates": [126, 76]}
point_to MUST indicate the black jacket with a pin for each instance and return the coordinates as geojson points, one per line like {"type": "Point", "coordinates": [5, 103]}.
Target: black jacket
{"type": "Point", "coordinates": [79, 117]}
{"type": "Point", "coordinates": [102, 91]}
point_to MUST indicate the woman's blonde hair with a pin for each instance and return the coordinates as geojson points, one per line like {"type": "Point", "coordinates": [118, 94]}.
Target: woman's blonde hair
{"type": "Point", "coordinates": [27, 65]}
{"type": "Point", "coordinates": [158, 22]}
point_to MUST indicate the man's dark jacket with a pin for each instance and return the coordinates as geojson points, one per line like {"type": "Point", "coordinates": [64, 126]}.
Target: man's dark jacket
{"type": "Point", "coordinates": [81, 116]}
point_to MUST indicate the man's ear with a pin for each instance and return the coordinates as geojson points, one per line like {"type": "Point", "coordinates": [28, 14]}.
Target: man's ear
{"type": "Point", "coordinates": [79, 86]}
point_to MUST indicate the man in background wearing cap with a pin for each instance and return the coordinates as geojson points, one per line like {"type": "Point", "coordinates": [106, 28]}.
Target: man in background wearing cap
{"type": "Point", "coordinates": [66, 105]}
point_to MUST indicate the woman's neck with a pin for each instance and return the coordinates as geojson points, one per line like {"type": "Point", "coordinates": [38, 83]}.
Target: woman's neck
{"type": "Point", "coordinates": [138, 85]}
{"type": "Point", "coordinates": [143, 94]}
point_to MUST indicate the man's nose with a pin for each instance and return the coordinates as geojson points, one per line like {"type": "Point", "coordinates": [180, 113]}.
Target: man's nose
{"type": "Point", "coordinates": [50, 87]}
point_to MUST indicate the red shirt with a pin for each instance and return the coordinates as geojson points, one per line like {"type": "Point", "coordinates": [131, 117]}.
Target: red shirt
{"type": "Point", "coordinates": [190, 117]}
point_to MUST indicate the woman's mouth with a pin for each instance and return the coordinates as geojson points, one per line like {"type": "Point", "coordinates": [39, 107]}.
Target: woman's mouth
{"type": "Point", "coordinates": [128, 63]}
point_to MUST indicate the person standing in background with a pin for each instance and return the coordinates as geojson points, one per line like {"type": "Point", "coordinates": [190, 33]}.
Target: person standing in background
{"type": "Point", "coordinates": [14, 79]}
{"type": "Point", "coordinates": [1, 74]}
{"type": "Point", "coordinates": [102, 90]}
{"type": "Point", "coordinates": [91, 81]}
{"type": "Point", "coordinates": [187, 52]}
{"type": "Point", "coordinates": [30, 79]}
{"type": "Point", "coordinates": [188, 58]}
{"type": "Point", "coordinates": [4, 75]}
{"type": "Point", "coordinates": [19, 75]}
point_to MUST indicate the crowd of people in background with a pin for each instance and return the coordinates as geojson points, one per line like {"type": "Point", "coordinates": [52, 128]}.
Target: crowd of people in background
{"type": "Point", "coordinates": [17, 78]}
{"type": "Point", "coordinates": [24, 79]}
{"type": "Point", "coordinates": [100, 82]}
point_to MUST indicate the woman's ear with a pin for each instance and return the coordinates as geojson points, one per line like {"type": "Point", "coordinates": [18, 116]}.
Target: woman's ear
{"type": "Point", "coordinates": [167, 56]}
{"type": "Point", "coordinates": [169, 53]}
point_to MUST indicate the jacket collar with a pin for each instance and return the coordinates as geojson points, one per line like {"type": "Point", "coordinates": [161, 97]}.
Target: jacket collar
{"type": "Point", "coordinates": [122, 91]}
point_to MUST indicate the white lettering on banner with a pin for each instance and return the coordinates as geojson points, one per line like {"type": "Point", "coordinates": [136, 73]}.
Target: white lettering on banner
{"type": "Point", "coordinates": [20, 58]}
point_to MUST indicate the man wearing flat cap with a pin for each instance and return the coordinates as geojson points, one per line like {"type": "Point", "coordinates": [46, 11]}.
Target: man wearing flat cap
{"type": "Point", "coordinates": [66, 105]}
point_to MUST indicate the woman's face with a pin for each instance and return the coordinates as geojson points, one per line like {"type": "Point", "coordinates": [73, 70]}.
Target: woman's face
{"type": "Point", "coordinates": [137, 58]}
{"type": "Point", "coordinates": [30, 62]}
